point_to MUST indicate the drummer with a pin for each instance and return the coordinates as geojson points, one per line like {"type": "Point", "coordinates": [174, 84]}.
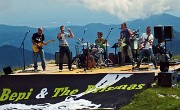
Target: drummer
{"type": "Point", "coordinates": [101, 42]}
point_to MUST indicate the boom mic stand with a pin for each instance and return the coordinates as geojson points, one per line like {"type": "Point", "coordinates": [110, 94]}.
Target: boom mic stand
{"type": "Point", "coordinates": [22, 46]}
{"type": "Point", "coordinates": [107, 60]}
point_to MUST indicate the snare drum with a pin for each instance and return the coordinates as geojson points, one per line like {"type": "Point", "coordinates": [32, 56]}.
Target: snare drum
{"type": "Point", "coordinates": [100, 50]}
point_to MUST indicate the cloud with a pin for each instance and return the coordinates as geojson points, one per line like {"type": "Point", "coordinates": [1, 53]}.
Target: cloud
{"type": "Point", "coordinates": [130, 9]}
{"type": "Point", "coordinates": [5, 6]}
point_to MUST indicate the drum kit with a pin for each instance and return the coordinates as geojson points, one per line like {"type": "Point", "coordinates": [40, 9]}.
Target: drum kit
{"type": "Point", "coordinates": [91, 55]}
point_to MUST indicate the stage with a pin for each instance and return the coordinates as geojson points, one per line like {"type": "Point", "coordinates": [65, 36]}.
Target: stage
{"type": "Point", "coordinates": [52, 68]}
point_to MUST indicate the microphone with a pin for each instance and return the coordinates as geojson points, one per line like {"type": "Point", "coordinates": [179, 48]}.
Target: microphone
{"type": "Point", "coordinates": [27, 32]}
{"type": "Point", "coordinates": [111, 29]}
{"type": "Point", "coordinates": [85, 30]}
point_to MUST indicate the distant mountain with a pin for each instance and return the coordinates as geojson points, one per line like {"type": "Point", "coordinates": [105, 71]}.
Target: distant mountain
{"type": "Point", "coordinates": [154, 20]}
{"type": "Point", "coordinates": [12, 56]}
{"type": "Point", "coordinates": [14, 35]}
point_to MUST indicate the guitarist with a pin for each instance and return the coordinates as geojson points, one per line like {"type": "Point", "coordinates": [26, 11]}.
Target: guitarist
{"type": "Point", "coordinates": [64, 47]}
{"type": "Point", "coordinates": [38, 38]}
{"type": "Point", "coordinates": [125, 36]}
{"type": "Point", "coordinates": [145, 46]}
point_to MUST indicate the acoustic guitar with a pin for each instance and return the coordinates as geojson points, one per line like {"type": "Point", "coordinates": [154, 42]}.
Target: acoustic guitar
{"type": "Point", "coordinates": [35, 47]}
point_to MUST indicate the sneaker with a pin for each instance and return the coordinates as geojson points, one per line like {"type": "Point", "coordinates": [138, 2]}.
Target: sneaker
{"type": "Point", "coordinates": [133, 63]}
{"type": "Point", "coordinates": [44, 69]}
{"type": "Point", "coordinates": [35, 69]}
{"type": "Point", "coordinates": [156, 68]}
{"type": "Point", "coordinates": [70, 69]}
{"type": "Point", "coordinates": [60, 70]}
{"type": "Point", "coordinates": [136, 68]}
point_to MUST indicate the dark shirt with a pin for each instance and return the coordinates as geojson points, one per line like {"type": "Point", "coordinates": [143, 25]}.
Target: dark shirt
{"type": "Point", "coordinates": [125, 34]}
{"type": "Point", "coordinates": [38, 38]}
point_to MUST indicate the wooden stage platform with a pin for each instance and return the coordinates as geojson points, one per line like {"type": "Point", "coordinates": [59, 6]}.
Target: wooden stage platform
{"type": "Point", "coordinates": [52, 68]}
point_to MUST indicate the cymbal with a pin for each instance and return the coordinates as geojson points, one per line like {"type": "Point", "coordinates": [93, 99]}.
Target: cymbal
{"type": "Point", "coordinates": [105, 45]}
{"type": "Point", "coordinates": [85, 44]}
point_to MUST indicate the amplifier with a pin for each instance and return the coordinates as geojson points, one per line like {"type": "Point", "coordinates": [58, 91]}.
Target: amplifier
{"type": "Point", "coordinates": [167, 78]}
{"type": "Point", "coordinates": [57, 58]}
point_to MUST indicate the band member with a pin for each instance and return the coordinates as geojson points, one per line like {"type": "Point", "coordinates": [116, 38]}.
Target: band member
{"type": "Point", "coordinates": [101, 42]}
{"type": "Point", "coordinates": [145, 46]}
{"type": "Point", "coordinates": [125, 36]}
{"type": "Point", "coordinates": [64, 47]}
{"type": "Point", "coordinates": [37, 40]}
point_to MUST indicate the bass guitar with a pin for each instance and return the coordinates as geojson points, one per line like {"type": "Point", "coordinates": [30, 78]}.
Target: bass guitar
{"type": "Point", "coordinates": [36, 47]}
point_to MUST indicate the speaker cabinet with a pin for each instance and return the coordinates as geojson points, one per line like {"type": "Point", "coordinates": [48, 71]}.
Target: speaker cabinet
{"type": "Point", "coordinates": [57, 58]}
{"type": "Point", "coordinates": [7, 70]}
{"type": "Point", "coordinates": [167, 78]}
{"type": "Point", "coordinates": [158, 32]}
{"type": "Point", "coordinates": [113, 58]}
{"type": "Point", "coordinates": [168, 32]}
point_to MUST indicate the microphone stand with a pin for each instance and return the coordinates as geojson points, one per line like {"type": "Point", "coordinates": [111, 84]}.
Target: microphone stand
{"type": "Point", "coordinates": [22, 46]}
{"type": "Point", "coordinates": [107, 56]}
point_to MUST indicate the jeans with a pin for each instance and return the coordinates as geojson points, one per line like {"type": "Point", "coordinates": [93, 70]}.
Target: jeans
{"type": "Point", "coordinates": [35, 56]}
{"type": "Point", "coordinates": [148, 52]}
{"type": "Point", "coordinates": [64, 50]}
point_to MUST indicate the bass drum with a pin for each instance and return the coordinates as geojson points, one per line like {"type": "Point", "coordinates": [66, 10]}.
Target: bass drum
{"type": "Point", "coordinates": [87, 61]}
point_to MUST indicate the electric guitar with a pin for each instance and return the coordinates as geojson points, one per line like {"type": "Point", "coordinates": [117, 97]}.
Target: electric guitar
{"type": "Point", "coordinates": [143, 44]}
{"type": "Point", "coordinates": [121, 42]}
{"type": "Point", "coordinates": [35, 47]}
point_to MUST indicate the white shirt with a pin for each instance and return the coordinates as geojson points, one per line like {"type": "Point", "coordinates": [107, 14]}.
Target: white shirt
{"type": "Point", "coordinates": [64, 40]}
{"type": "Point", "coordinates": [144, 37]}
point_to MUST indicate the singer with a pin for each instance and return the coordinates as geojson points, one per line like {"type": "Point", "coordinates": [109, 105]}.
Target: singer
{"type": "Point", "coordinates": [64, 47]}
{"type": "Point", "coordinates": [125, 35]}
{"type": "Point", "coordinates": [37, 40]}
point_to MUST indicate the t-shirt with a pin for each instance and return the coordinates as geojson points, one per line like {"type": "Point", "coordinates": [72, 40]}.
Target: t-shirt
{"type": "Point", "coordinates": [100, 42]}
{"type": "Point", "coordinates": [38, 38]}
{"type": "Point", "coordinates": [144, 37]}
{"type": "Point", "coordinates": [64, 40]}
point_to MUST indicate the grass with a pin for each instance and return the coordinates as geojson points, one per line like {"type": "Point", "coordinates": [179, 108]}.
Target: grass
{"type": "Point", "coordinates": [156, 98]}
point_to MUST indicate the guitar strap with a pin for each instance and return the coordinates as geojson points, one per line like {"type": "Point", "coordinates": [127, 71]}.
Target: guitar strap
{"type": "Point", "coordinates": [146, 40]}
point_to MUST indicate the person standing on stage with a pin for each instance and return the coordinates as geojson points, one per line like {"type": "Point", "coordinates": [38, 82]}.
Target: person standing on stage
{"type": "Point", "coordinates": [125, 36]}
{"type": "Point", "coordinates": [101, 42]}
{"type": "Point", "coordinates": [145, 46]}
{"type": "Point", "coordinates": [38, 40]}
{"type": "Point", "coordinates": [64, 47]}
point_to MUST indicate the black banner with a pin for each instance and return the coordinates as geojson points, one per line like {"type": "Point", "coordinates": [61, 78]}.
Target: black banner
{"type": "Point", "coordinates": [61, 92]}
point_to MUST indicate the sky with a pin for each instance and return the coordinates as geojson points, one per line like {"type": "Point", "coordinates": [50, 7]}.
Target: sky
{"type": "Point", "coordinates": [53, 13]}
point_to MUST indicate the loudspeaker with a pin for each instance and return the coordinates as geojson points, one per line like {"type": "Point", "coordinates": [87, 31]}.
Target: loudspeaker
{"type": "Point", "coordinates": [7, 70]}
{"type": "Point", "coordinates": [168, 32]}
{"type": "Point", "coordinates": [113, 58]}
{"type": "Point", "coordinates": [164, 66]}
{"type": "Point", "coordinates": [158, 32]}
{"type": "Point", "coordinates": [167, 78]}
{"type": "Point", "coordinates": [57, 58]}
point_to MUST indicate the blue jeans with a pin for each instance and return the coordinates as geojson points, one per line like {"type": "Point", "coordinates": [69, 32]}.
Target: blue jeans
{"type": "Point", "coordinates": [35, 57]}
{"type": "Point", "coordinates": [145, 52]}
